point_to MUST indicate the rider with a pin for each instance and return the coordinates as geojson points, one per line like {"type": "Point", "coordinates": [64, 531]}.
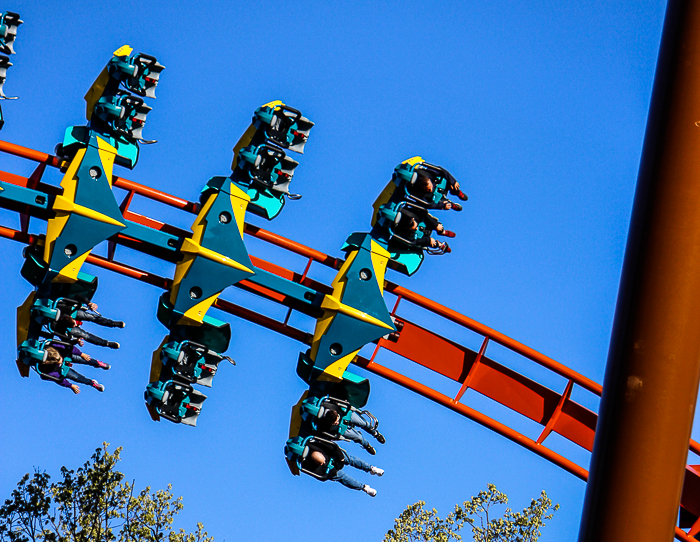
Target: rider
{"type": "Point", "coordinates": [51, 368]}
{"type": "Point", "coordinates": [70, 327]}
{"type": "Point", "coordinates": [330, 421]}
{"type": "Point", "coordinates": [87, 312]}
{"type": "Point", "coordinates": [79, 357]}
{"type": "Point", "coordinates": [424, 188]}
{"type": "Point", "coordinates": [408, 227]}
{"type": "Point", "coordinates": [317, 460]}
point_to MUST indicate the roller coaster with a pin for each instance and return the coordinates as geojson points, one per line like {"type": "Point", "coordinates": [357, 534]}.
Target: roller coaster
{"type": "Point", "coordinates": [348, 314]}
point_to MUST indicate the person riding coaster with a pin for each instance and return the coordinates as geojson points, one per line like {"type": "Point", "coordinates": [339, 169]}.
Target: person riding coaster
{"type": "Point", "coordinates": [324, 460]}
{"type": "Point", "coordinates": [49, 363]}
{"type": "Point", "coordinates": [427, 185]}
{"type": "Point", "coordinates": [337, 420]}
{"type": "Point", "coordinates": [412, 225]}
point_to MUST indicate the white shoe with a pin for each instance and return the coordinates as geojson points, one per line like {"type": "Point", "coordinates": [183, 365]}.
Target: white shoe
{"type": "Point", "coordinates": [377, 471]}
{"type": "Point", "coordinates": [370, 491]}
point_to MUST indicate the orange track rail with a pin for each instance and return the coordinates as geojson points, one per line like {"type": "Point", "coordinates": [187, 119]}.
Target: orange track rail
{"type": "Point", "coordinates": [554, 411]}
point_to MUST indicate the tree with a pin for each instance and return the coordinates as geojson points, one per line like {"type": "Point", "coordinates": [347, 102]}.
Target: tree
{"type": "Point", "coordinates": [92, 504]}
{"type": "Point", "coordinates": [415, 524]}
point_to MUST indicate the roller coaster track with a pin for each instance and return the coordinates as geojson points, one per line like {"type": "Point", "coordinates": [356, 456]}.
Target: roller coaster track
{"type": "Point", "coordinates": [554, 411]}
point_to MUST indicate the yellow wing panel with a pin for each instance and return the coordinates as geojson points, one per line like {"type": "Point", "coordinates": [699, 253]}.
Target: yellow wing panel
{"type": "Point", "coordinates": [380, 259]}
{"type": "Point", "coordinates": [195, 315]}
{"type": "Point", "coordinates": [244, 141]}
{"type": "Point", "coordinates": [382, 199]}
{"type": "Point", "coordinates": [70, 272]}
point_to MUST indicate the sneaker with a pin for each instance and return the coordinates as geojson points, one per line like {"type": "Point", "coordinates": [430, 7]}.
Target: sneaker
{"type": "Point", "coordinates": [376, 471]}
{"type": "Point", "coordinates": [380, 438]}
{"type": "Point", "coordinates": [447, 248]}
{"type": "Point", "coordinates": [447, 233]}
{"type": "Point", "coordinates": [461, 195]}
{"type": "Point", "coordinates": [456, 206]}
{"type": "Point", "coordinates": [121, 324]}
{"type": "Point", "coordinates": [370, 449]}
{"type": "Point", "coordinates": [103, 365]}
{"type": "Point", "coordinates": [112, 344]}
{"type": "Point", "coordinates": [370, 491]}
{"type": "Point", "coordinates": [97, 386]}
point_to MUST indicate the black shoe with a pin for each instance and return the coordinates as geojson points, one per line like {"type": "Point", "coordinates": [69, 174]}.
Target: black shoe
{"type": "Point", "coordinates": [121, 324]}
{"type": "Point", "coordinates": [370, 449]}
{"type": "Point", "coordinates": [380, 438]}
{"type": "Point", "coordinates": [112, 344]}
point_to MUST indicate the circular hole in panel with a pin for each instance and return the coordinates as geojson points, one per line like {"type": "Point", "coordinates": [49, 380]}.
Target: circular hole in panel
{"type": "Point", "coordinates": [336, 349]}
{"type": "Point", "coordinates": [225, 217]}
{"type": "Point", "coordinates": [95, 172]}
{"type": "Point", "coordinates": [70, 250]}
{"type": "Point", "coordinates": [365, 274]}
{"type": "Point", "coordinates": [195, 292]}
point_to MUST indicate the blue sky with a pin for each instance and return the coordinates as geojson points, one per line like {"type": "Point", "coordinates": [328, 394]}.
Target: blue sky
{"type": "Point", "coordinates": [538, 110]}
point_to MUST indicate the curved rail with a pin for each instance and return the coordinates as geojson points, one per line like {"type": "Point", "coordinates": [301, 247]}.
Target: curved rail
{"type": "Point", "coordinates": [553, 410]}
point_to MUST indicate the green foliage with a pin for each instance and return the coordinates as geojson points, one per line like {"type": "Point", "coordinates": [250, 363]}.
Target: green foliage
{"type": "Point", "coordinates": [418, 525]}
{"type": "Point", "coordinates": [92, 504]}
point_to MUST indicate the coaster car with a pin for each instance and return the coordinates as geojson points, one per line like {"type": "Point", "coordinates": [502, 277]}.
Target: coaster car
{"type": "Point", "coordinates": [407, 183]}
{"type": "Point", "coordinates": [282, 125]}
{"type": "Point", "coordinates": [407, 175]}
{"type": "Point", "coordinates": [138, 73]}
{"type": "Point", "coordinates": [298, 451]}
{"type": "Point", "coordinates": [124, 114]}
{"type": "Point", "coordinates": [314, 408]}
{"type": "Point", "coordinates": [4, 64]}
{"type": "Point", "coordinates": [45, 311]}
{"type": "Point", "coordinates": [32, 353]}
{"type": "Point", "coordinates": [407, 248]}
{"type": "Point", "coordinates": [268, 166]}
{"type": "Point", "coordinates": [174, 401]}
{"type": "Point", "coordinates": [190, 361]}
{"type": "Point", "coordinates": [9, 22]}
{"type": "Point", "coordinates": [264, 172]}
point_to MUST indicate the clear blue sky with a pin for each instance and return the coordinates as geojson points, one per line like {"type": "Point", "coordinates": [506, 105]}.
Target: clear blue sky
{"type": "Point", "coordinates": [539, 109]}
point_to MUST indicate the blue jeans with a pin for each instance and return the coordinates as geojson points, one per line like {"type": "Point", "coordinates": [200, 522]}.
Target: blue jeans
{"type": "Point", "coordinates": [354, 435]}
{"type": "Point", "coordinates": [96, 318]}
{"type": "Point", "coordinates": [75, 376]}
{"type": "Point", "coordinates": [80, 333]}
{"type": "Point", "coordinates": [349, 481]}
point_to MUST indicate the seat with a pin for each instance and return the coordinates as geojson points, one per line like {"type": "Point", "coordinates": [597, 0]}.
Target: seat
{"type": "Point", "coordinates": [138, 73]}
{"type": "Point", "coordinates": [268, 166]}
{"type": "Point", "coordinates": [124, 114]}
{"type": "Point", "coordinates": [175, 401]}
{"type": "Point", "coordinates": [282, 125]}
{"type": "Point", "coordinates": [190, 361]}
{"type": "Point", "coordinates": [314, 408]}
{"type": "Point", "coordinates": [32, 353]}
{"type": "Point", "coordinates": [298, 452]}
{"type": "Point", "coordinates": [9, 22]}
